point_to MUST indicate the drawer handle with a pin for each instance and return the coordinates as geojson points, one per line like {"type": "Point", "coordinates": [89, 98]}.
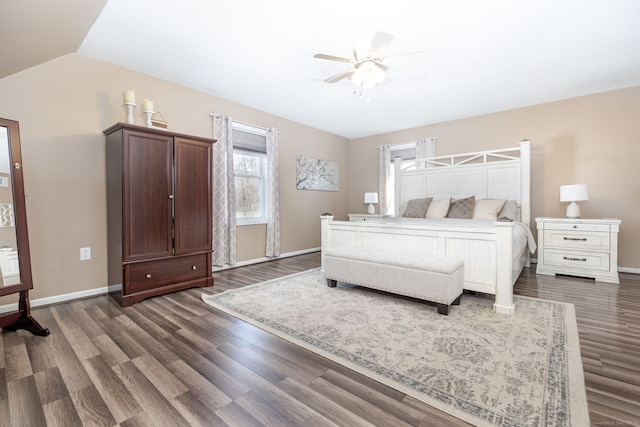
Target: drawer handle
{"type": "Point", "coordinates": [194, 268]}
{"type": "Point", "coordinates": [580, 239]}
{"type": "Point", "coordinates": [573, 259]}
{"type": "Point", "coordinates": [148, 276]}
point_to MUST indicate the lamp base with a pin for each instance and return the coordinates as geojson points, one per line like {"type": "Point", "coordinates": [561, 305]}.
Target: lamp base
{"type": "Point", "coordinates": [573, 210]}
{"type": "Point", "coordinates": [372, 209]}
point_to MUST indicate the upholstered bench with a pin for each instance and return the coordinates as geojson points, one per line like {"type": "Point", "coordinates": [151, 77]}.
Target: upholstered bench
{"type": "Point", "coordinates": [435, 279]}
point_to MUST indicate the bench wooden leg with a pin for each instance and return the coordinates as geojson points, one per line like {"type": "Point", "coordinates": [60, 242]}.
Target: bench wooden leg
{"type": "Point", "coordinates": [332, 283]}
{"type": "Point", "coordinates": [443, 309]}
{"type": "Point", "coordinates": [457, 300]}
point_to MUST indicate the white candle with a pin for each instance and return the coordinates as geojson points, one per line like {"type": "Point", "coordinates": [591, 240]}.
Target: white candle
{"type": "Point", "coordinates": [130, 96]}
{"type": "Point", "coordinates": [147, 105]}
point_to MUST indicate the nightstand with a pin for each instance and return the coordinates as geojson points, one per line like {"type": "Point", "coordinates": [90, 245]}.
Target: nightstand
{"type": "Point", "coordinates": [579, 247]}
{"type": "Point", "coordinates": [367, 217]}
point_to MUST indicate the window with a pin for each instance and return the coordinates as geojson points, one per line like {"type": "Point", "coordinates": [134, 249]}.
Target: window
{"type": "Point", "coordinates": [406, 151]}
{"type": "Point", "coordinates": [249, 171]}
{"type": "Point", "coordinates": [249, 168]}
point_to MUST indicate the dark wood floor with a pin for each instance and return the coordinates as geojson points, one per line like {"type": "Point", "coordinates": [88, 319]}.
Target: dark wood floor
{"type": "Point", "coordinates": [173, 360]}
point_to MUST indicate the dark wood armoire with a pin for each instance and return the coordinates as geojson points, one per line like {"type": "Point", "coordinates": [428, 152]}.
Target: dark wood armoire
{"type": "Point", "coordinates": [159, 197]}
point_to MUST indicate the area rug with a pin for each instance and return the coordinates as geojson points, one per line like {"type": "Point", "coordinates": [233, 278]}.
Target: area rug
{"type": "Point", "coordinates": [477, 365]}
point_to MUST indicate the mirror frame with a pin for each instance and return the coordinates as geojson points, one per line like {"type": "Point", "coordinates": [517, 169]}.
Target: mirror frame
{"type": "Point", "coordinates": [19, 210]}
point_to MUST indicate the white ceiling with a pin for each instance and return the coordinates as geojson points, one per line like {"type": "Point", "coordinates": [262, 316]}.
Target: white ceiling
{"type": "Point", "coordinates": [481, 56]}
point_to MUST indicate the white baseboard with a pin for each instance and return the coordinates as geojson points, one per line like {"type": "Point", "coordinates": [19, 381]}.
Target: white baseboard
{"type": "Point", "coordinates": [629, 270]}
{"type": "Point", "coordinates": [57, 299]}
{"type": "Point", "coordinates": [114, 288]}
{"type": "Point", "coordinates": [264, 259]}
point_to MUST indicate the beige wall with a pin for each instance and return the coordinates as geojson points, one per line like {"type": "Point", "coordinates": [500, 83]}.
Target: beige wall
{"type": "Point", "coordinates": [592, 139]}
{"type": "Point", "coordinates": [64, 105]}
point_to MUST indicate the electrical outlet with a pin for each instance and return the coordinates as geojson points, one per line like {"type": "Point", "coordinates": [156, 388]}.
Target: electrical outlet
{"type": "Point", "coordinates": [85, 253]}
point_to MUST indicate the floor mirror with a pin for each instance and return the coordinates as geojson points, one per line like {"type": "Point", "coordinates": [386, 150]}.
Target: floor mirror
{"type": "Point", "coordinates": [15, 261]}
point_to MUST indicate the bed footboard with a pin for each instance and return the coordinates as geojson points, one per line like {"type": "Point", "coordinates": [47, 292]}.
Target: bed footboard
{"type": "Point", "coordinates": [487, 253]}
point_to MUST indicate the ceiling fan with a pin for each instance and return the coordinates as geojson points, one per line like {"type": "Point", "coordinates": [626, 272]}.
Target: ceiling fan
{"type": "Point", "coordinates": [368, 67]}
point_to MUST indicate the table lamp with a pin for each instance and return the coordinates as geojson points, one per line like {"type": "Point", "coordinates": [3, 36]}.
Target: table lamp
{"type": "Point", "coordinates": [371, 198]}
{"type": "Point", "coordinates": [573, 193]}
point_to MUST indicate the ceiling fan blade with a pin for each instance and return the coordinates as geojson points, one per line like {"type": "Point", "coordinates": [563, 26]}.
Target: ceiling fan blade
{"type": "Point", "coordinates": [379, 44]}
{"type": "Point", "coordinates": [332, 58]}
{"type": "Point", "coordinates": [340, 76]}
{"type": "Point", "coordinates": [386, 60]}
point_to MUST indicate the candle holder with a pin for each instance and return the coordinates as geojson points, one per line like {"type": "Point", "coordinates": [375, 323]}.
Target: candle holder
{"type": "Point", "coordinates": [148, 113]}
{"type": "Point", "coordinates": [130, 106]}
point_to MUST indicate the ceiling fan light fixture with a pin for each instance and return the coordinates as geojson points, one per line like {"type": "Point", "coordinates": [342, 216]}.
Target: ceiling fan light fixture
{"type": "Point", "coordinates": [368, 74]}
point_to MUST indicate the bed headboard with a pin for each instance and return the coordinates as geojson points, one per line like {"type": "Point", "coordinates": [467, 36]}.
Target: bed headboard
{"type": "Point", "coordinates": [494, 174]}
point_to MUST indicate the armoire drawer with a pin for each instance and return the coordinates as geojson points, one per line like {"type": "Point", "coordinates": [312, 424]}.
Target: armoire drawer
{"type": "Point", "coordinates": [147, 275]}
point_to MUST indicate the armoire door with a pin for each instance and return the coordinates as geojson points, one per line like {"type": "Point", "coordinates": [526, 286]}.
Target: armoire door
{"type": "Point", "coordinates": [193, 197]}
{"type": "Point", "coordinates": [148, 193]}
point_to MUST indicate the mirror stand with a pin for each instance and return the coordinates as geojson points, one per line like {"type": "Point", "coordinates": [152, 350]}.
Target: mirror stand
{"type": "Point", "coordinates": [22, 318]}
{"type": "Point", "coordinates": [15, 260]}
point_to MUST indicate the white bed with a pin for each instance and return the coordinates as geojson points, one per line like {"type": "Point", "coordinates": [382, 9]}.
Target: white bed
{"type": "Point", "coordinates": [493, 252]}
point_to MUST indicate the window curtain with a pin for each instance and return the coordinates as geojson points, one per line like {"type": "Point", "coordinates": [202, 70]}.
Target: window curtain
{"type": "Point", "coordinates": [426, 147]}
{"type": "Point", "coordinates": [272, 197]}
{"type": "Point", "coordinates": [224, 193]}
{"type": "Point", "coordinates": [384, 178]}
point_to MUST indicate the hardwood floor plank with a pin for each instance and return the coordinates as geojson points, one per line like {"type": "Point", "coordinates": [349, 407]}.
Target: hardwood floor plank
{"type": "Point", "coordinates": [234, 415]}
{"type": "Point", "coordinates": [321, 404]}
{"type": "Point", "coordinates": [91, 407]}
{"type": "Point", "coordinates": [200, 387]}
{"type": "Point", "coordinates": [51, 386]}
{"type": "Point", "coordinates": [115, 394]}
{"type": "Point", "coordinates": [356, 405]}
{"type": "Point", "coordinates": [25, 408]}
{"type": "Point", "coordinates": [61, 413]}
{"type": "Point", "coordinates": [110, 351]}
{"type": "Point", "coordinates": [195, 411]}
{"type": "Point", "coordinates": [5, 420]}
{"type": "Point", "coordinates": [157, 408]}
{"type": "Point", "coordinates": [161, 378]}
{"type": "Point", "coordinates": [384, 398]}
{"type": "Point", "coordinates": [17, 362]}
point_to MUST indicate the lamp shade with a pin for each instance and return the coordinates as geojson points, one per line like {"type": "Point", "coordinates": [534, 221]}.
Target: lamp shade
{"type": "Point", "coordinates": [371, 197]}
{"type": "Point", "coordinates": [574, 193]}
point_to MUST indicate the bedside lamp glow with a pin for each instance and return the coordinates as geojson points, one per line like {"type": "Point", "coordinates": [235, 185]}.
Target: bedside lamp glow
{"type": "Point", "coordinates": [371, 198]}
{"type": "Point", "coordinates": [573, 193]}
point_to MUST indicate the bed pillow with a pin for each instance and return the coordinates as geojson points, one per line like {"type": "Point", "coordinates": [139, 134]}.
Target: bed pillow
{"type": "Point", "coordinates": [510, 210]}
{"type": "Point", "coordinates": [417, 208]}
{"type": "Point", "coordinates": [488, 208]}
{"type": "Point", "coordinates": [438, 208]}
{"type": "Point", "coordinates": [462, 208]}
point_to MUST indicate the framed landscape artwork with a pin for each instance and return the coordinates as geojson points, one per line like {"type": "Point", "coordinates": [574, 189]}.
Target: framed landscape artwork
{"type": "Point", "coordinates": [316, 174]}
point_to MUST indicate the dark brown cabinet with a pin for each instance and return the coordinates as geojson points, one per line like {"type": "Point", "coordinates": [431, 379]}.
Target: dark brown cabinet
{"type": "Point", "coordinates": [159, 211]}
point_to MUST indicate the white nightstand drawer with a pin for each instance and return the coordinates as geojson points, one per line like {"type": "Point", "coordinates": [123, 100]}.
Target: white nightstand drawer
{"type": "Point", "coordinates": [587, 240]}
{"type": "Point", "coordinates": [577, 226]}
{"type": "Point", "coordinates": [578, 260]}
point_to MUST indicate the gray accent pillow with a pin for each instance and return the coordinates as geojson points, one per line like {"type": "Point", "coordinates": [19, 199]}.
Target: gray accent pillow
{"type": "Point", "coordinates": [510, 210]}
{"type": "Point", "coordinates": [417, 208]}
{"type": "Point", "coordinates": [462, 208]}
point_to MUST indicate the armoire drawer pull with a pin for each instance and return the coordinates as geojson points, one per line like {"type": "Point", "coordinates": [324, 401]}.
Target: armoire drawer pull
{"type": "Point", "coordinates": [581, 239]}
{"type": "Point", "coordinates": [194, 268]}
{"type": "Point", "coordinates": [148, 276]}
{"type": "Point", "coordinates": [573, 259]}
